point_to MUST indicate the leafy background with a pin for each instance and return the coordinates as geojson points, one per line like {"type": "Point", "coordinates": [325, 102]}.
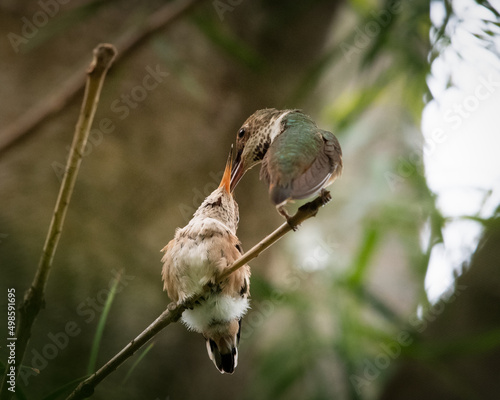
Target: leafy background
{"type": "Point", "coordinates": [339, 309]}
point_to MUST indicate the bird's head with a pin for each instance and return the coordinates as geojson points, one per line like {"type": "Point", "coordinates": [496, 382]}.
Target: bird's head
{"type": "Point", "coordinates": [254, 138]}
{"type": "Point", "coordinates": [220, 204]}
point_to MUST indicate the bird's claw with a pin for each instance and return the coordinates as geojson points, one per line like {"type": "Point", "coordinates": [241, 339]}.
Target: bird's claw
{"type": "Point", "coordinates": [288, 218]}
{"type": "Point", "coordinates": [214, 287]}
{"type": "Point", "coordinates": [325, 196]}
{"type": "Point", "coordinates": [292, 225]}
{"type": "Point", "coordinates": [199, 301]}
{"type": "Point", "coordinates": [283, 212]}
{"type": "Point", "coordinates": [188, 300]}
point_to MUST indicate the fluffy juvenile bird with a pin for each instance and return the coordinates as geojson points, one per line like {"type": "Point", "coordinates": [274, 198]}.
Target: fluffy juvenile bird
{"type": "Point", "coordinates": [196, 256]}
{"type": "Point", "coordinates": [298, 159]}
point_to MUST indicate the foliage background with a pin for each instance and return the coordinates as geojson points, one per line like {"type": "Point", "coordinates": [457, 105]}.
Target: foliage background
{"type": "Point", "coordinates": [329, 302]}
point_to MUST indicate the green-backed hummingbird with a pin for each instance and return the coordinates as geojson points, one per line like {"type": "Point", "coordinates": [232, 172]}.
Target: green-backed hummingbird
{"type": "Point", "coordinates": [298, 159]}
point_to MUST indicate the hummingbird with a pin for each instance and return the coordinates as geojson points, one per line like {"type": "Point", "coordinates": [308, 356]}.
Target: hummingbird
{"type": "Point", "coordinates": [197, 255]}
{"type": "Point", "coordinates": [298, 159]}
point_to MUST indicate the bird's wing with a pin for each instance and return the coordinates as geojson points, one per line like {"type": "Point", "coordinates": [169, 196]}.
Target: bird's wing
{"type": "Point", "coordinates": [326, 166]}
{"type": "Point", "coordinates": [238, 283]}
{"type": "Point", "coordinates": [287, 157]}
{"type": "Point", "coordinates": [167, 275]}
{"type": "Point", "coordinates": [308, 166]}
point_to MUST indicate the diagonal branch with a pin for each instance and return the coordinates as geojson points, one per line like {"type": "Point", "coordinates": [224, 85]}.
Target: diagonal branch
{"type": "Point", "coordinates": [104, 55]}
{"type": "Point", "coordinates": [174, 311]}
{"type": "Point", "coordinates": [56, 101]}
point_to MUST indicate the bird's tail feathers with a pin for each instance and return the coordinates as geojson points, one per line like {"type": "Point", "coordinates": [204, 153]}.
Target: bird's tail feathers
{"type": "Point", "coordinates": [223, 348]}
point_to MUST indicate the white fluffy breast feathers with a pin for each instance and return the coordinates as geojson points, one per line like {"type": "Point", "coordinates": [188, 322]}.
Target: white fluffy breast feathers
{"type": "Point", "coordinates": [215, 310]}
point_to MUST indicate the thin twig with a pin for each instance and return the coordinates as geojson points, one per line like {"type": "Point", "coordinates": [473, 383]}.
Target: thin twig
{"type": "Point", "coordinates": [174, 311]}
{"type": "Point", "coordinates": [34, 296]}
{"type": "Point", "coordinates": [56, 101]}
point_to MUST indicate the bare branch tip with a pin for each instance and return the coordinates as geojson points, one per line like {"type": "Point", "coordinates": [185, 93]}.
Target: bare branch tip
{"type": "Point", "coordinates": [104, 55]}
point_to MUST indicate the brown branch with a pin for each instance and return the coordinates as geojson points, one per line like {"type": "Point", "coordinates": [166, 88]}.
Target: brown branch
{"type": "Point", "coordinates": [34, 296]}
{"type": "Point", "coordinates": [174, 311]}
{"type": "Point", "coordinates": [56, 101]}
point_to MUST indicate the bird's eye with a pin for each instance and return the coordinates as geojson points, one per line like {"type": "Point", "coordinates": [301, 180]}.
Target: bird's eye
{"type": "Point", "coordinates": [241, 133]}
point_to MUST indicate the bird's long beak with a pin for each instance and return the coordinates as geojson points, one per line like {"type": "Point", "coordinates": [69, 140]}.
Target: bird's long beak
{"type": "Point", "coordinates": [226, 177]}
{"type": "Point", "coordinates": [238, 170]}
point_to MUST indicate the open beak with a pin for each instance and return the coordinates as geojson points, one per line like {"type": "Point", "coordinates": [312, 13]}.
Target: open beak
{"type": "Point", "coordinates": [226, 177]}
{"type": "Point", "coordinates": [238, 171]}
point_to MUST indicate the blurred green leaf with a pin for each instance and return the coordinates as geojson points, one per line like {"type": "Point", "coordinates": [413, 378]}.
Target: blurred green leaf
{"type": "Point", "coordinates": [489, 5]}
{"type": "Point", "coordinates": [100, 328]}
{"type": "Point", "coordinates": [136, 362]}
{"type": "Point", "coordinates": [364, 255]}
{"type": "Point", "coordinates": [354, 102]}
{"type": "Point", "coordinates": [64, 389]}
{"type": "Point", "coordinates": [225, 40]}
{"type": "Point", "coordinates": [315, 73]}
